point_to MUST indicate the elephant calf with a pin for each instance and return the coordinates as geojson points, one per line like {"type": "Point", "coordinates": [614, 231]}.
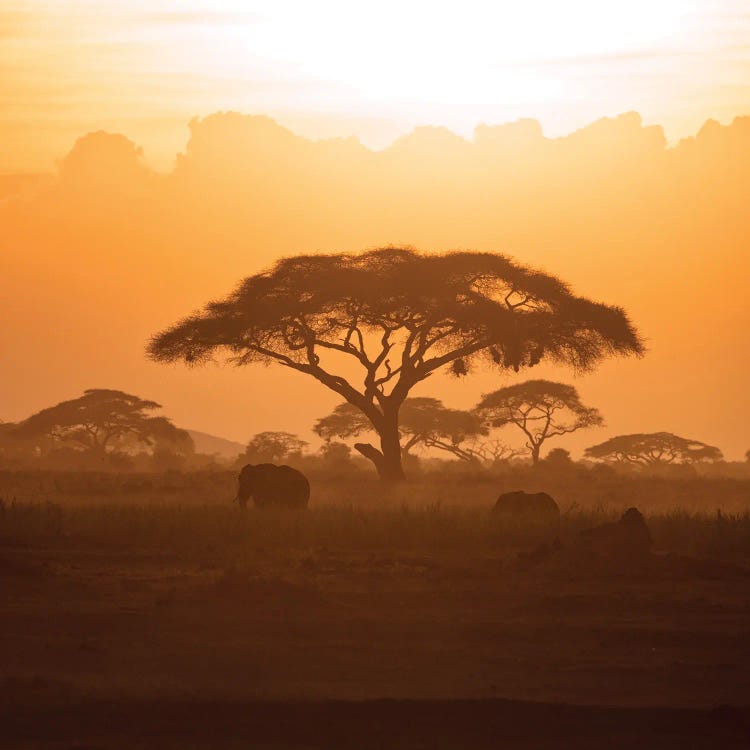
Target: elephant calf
{"type": "Point", "coordinates": [272, 486]}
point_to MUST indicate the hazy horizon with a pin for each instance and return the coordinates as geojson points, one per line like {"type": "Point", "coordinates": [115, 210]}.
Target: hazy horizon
{"type": "Point", "coordinates": [167, 164]}
{"type": "Point", "coordinates": [107, 252]}
{"type": "Point", "coordinates": [374, 374]}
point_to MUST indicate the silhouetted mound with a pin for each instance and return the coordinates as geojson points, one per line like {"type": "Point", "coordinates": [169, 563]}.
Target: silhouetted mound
{"type": "Point", "coordinates": [534, 506]}
{"type": "Point", "coordinates": [626, 539]}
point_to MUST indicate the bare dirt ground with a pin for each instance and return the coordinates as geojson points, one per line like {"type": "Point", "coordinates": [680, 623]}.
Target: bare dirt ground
{"type": "Point", "coordinates": [106, 644]}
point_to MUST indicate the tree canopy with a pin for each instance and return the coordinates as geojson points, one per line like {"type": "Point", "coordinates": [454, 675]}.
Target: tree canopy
{"type": "Point", "coordinates": [272, 447]}
{"type": "Point", "coordinates": [541, 409]}
{"type": "Point", "coordinates": [423, 422]}
{"type": "Point", "coordinates": [654, 449]}
{"type": "Point", "coordinates": [397, 316]}
{"type": "Point", "coordinates": [335, 454]}
{"type": "Point", "coordinates": [559, 458]}
{"type": "Point", "coordinates": [103, 420]}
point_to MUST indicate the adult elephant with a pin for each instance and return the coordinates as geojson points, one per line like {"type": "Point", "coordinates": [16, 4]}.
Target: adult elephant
{"type": "Point", "coordinates": [272, 486]}
{"type": "Point", "coordinates": [536, 505]}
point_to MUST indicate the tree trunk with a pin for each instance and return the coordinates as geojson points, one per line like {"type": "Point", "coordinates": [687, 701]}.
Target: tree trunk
{"type": "Point", "coordinates": [387, 460]}
{"type": "Point", "coordinates": [535, 454]}
{"type": "Point", "coordinates": [390, 447]}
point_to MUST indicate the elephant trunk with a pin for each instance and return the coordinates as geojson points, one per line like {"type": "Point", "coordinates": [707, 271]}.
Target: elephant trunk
{"type": "Point", "coordinates": [242, 496]}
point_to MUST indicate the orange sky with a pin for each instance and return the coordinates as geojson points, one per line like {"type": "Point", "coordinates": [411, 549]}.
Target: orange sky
{"type": "Point", "coordinates": [117, 242]}
{"type": "Point", "coordinates": [335, 67]}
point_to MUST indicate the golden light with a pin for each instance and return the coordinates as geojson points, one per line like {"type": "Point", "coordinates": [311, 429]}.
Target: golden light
{"type": "Point", "coordinates": [445, 63]}
{"type": "Point", "coordinates": [451, 50]}
{"type": "Point", "coordinates": [337, 67]}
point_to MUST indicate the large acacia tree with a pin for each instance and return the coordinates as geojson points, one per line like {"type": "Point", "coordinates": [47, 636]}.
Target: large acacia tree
{"type": "Point", "coordinates": [423, 422]}
{"type": "Point", "coordinates": [397, 316]}
{"type": "Point", "coordinates": [101, 421]}
{"type": "Point", "coordinates": [653, 449]}
{"type": "Point", "coordinates": [541, 409]}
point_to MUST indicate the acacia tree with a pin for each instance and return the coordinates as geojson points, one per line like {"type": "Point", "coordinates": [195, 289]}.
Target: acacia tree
{"type": "Point", "coordinates": [654, 449]}
{"type": "Point", "coordinates": [101, 421]}
{"type": "Point", "coordinates": [272, 447]}
{"type": "Point", "coordinates": [559, 458]}
{"type": "Point", "coordinates": [335, 453]}
{"type": "Point", "coordinates": [492, 451]}
{"type": "Point", "coordinates": [541, 409]}
{"type": "Point", "coordinates": [397, 316]}
{"type": "Point", "coordinates": [424, 422]}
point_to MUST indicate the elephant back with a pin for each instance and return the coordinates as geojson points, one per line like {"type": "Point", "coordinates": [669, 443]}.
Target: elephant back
{"type": "Point", "coordinates": [273, 486]}
{"type": "Point", "coordinates": [523, 504]}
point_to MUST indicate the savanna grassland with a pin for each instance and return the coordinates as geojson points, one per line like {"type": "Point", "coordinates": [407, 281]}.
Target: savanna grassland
{"type": "Point", "coordinates": [151, 601]}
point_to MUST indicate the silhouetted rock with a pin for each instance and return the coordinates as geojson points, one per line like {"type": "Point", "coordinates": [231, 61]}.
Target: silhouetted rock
{"type": "Point", "coordinates": [627, 538]}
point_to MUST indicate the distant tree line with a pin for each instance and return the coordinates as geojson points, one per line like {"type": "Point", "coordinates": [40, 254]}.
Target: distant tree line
{"type": "Point", "coordinates": [537, 410]}
{"type": "Point", "coordinates": [112, 429]}
{"type": "Point", "coordinates": [102, 428]}
{"type": "Point", "coordinates": [393, 317]}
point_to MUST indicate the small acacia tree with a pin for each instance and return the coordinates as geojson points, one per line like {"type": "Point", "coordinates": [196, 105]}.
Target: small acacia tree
{"type": "Point", "coordinates": [272, 447]}
{"type": "Point", "coordinates": [493, 451]}
{"type": "Point", "coordinates": [559, 458]}
{"type": "Point", "coordinates": [398, 316]}
{"type": "Point", "coordinates": [541, 409]}
{"type": "Point", "coordinates": [335, 453]}
{"type": "Point", "coordinates": [102, 421]}
{"type": "Point", "coordinates": [654, 449]}
{"type": "Point", "coordinates": [424, 422]}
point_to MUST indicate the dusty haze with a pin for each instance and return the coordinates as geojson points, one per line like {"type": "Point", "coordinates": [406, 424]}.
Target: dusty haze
{"type": "Point", "coordinates": [102, 254]}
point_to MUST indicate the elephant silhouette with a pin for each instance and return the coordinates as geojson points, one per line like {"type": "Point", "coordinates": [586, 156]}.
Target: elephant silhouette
{"type": "Point", "coordinates": [272, 486]}
{"type": "Point", "coordinates": [521, 504]}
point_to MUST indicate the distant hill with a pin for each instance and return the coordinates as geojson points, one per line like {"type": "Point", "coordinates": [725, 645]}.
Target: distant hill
{"type": "Point", "coordinates": [212, 445]}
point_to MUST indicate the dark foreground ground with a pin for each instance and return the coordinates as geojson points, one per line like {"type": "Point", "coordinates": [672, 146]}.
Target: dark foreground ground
{"type": "Point", "coordinates": [371, 724]}
{"type": "Point", "coordinates": [207, 629]}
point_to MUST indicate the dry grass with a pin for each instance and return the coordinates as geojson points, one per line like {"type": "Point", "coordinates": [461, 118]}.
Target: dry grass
{"type": "Point", "coordinates": [455, 486]}
{"type": "Point", "coordinates": [225, 532]}
{"type": "Point", "coordinates": [418, 592]}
